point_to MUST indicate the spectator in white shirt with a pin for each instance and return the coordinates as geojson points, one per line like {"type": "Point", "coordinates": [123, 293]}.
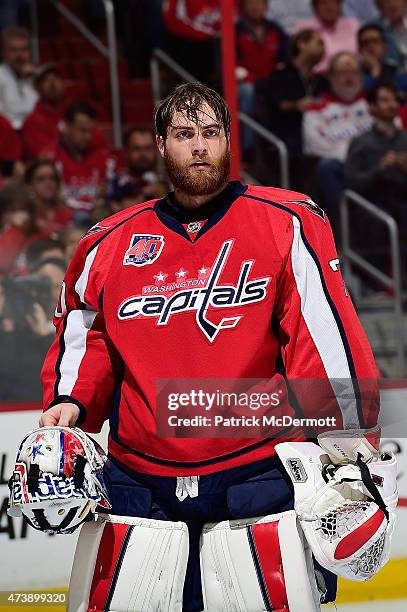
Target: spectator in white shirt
{"type": "Point", "coordinates": [17, 94]}
{"type": "Point", "coordinates": [330, 125]}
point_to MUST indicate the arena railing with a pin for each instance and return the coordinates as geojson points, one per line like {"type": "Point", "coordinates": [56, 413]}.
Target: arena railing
{"type": "Point", "coordinates": [109, 52]}
{"type": "Point", "coordinates": [160, 56]}
{"type": "Point", "coordinates": [393, 282]}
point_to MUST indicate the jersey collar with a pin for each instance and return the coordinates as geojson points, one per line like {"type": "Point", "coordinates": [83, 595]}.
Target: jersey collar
{"type": "Point", "coordinates": [173, 216]}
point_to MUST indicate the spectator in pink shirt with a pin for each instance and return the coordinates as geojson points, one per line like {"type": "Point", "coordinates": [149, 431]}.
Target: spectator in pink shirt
{"type": "Point", "coordinates": [339, 33]}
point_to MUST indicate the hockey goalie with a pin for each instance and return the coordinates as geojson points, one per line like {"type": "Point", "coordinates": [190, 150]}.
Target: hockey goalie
{"type": "Point", "coordinates": [216, 280]}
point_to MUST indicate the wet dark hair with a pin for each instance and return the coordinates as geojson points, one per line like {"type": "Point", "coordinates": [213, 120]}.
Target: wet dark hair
{"type": "Point", "coordinates": [189, 99]}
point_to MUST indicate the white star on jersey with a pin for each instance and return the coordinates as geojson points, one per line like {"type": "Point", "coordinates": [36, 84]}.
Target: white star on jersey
{"type": "Point", "coordinates": [203, 270]}
{"type": "Point", "coordinates": [160, 277]}
{"type": "Point", "coordinates": [181, 273]}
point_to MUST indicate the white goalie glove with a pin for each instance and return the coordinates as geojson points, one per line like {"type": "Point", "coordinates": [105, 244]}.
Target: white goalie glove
{"type": "Point", "coordinates": [347, 512]}
{"type": "Point", "coordinates": [349, 445]}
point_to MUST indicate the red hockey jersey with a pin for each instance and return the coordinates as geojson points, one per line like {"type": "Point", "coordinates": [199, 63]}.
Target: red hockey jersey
{"type": "Point", "coordinates": [83, 176]}
{"type": "Point", "coordinates": [190, 19]}
{"type": "Point", "coordinates": [129, 315]}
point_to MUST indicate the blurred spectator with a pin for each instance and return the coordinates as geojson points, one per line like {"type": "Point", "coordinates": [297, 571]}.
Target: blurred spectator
{"type": "Point", "coordinates": [393, 19]}
{"type": "Point", "coordinates": [192, 19]}
{"type": "Point", "coordinates": [25, 334]}
{"type": "Point", "coordinates": [341, 115]}
{"type": "Point", "coordinates": [291, 90]}
{"type": "Point", "coordinates": [261, 45]}
{"type": "Point", "coordinates": [330, 126]}
{"type": "Point", "coordinates": [10, 149]}
{"type": "Point", "coordinates": [51, 213]}
{"type": "Point", "coordinates": [43, 248]}
{"type": "Point", "coordinates": [29, 212]}
{"type": "Point", "coordinates": [53, 269]}
{"type": "Point", "coordinates": [17, 95]}
{"type": "Point", "coordinates": [376, 165]}
{"type": "Point", "coordinates": [140, 152]}
{"type": "Point", "coordinates": [40, 129]}
{"type": "Point", "coordinates": [339, 33]}
{"type": "Point", "coordinates": [82, 166]}
{"type": "Point", "coordinates": [139, 181]}
{"type": "Point", "coordinates": [377, 67]}
{"type": "Point", "coordinates": [287, 13]}
{"type": "Point", "coordinates": [70, 238]}
{"type": "Point", "coordinates": [17, 225]}
{"type": "Point", "coordinates": [192, 27]}
{"type": "Point", "coordinates": [364, 11]}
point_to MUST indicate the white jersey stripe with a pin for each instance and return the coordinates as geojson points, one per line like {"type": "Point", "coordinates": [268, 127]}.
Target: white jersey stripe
{"type": "Point", "coordinates": [78, 324]}
{"type": "Point", "coordinates": [323, 327]}
{"type": "Point", "coordinates": [82, 282]}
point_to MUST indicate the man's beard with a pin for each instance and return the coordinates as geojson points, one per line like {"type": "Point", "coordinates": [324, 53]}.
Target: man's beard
{"type": "Point", "coordinates": [348, 93]}
{"type": "Point", "coordinates": [198, 182]}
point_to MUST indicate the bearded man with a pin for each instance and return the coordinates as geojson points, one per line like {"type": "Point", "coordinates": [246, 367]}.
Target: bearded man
{"type": "Point", "coordinates": [218, 280]}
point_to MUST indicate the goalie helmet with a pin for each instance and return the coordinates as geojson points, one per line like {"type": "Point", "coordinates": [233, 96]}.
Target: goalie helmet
{"type": "Point", "coordinates": [57, 480]}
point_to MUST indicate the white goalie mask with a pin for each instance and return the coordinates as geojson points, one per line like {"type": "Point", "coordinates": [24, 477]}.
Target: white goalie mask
{"type": "Point", "coordinates": [57, 480]}
{"type": "Point", "coordinates": [347, 512]}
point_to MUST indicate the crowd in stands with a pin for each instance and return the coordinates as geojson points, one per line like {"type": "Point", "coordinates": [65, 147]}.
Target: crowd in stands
{"type": "Point", "coordinates": [328, 77]}
{"type": "Point", "coordinates": [59, 177]}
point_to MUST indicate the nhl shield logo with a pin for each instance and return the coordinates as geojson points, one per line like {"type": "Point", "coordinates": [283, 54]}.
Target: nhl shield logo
{"type": "Point", "coordinates": [143, 250]}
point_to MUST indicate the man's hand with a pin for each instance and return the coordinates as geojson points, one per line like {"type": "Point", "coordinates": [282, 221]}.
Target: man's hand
{"type": "Point", "coordinates": [38, 320]}
{"type": "Point", "coordinates": [371, 63]}
{"type": "Point", "coordinates": [19, 218]}
{"type": "Point", "coordinates": [304, 103]}
{"type": "Point", "coordinates": [64, 415]}
{"type": "Point", "coordinates": [388, 160]}
{"type": "Point", "coordinates": [297, 106]}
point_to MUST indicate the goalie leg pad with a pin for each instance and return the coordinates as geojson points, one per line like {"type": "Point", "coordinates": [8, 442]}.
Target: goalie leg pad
{"type": "Point", "coordinates": [129, 564]}
{"type": "Point", "coordinates": [256, 565]}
